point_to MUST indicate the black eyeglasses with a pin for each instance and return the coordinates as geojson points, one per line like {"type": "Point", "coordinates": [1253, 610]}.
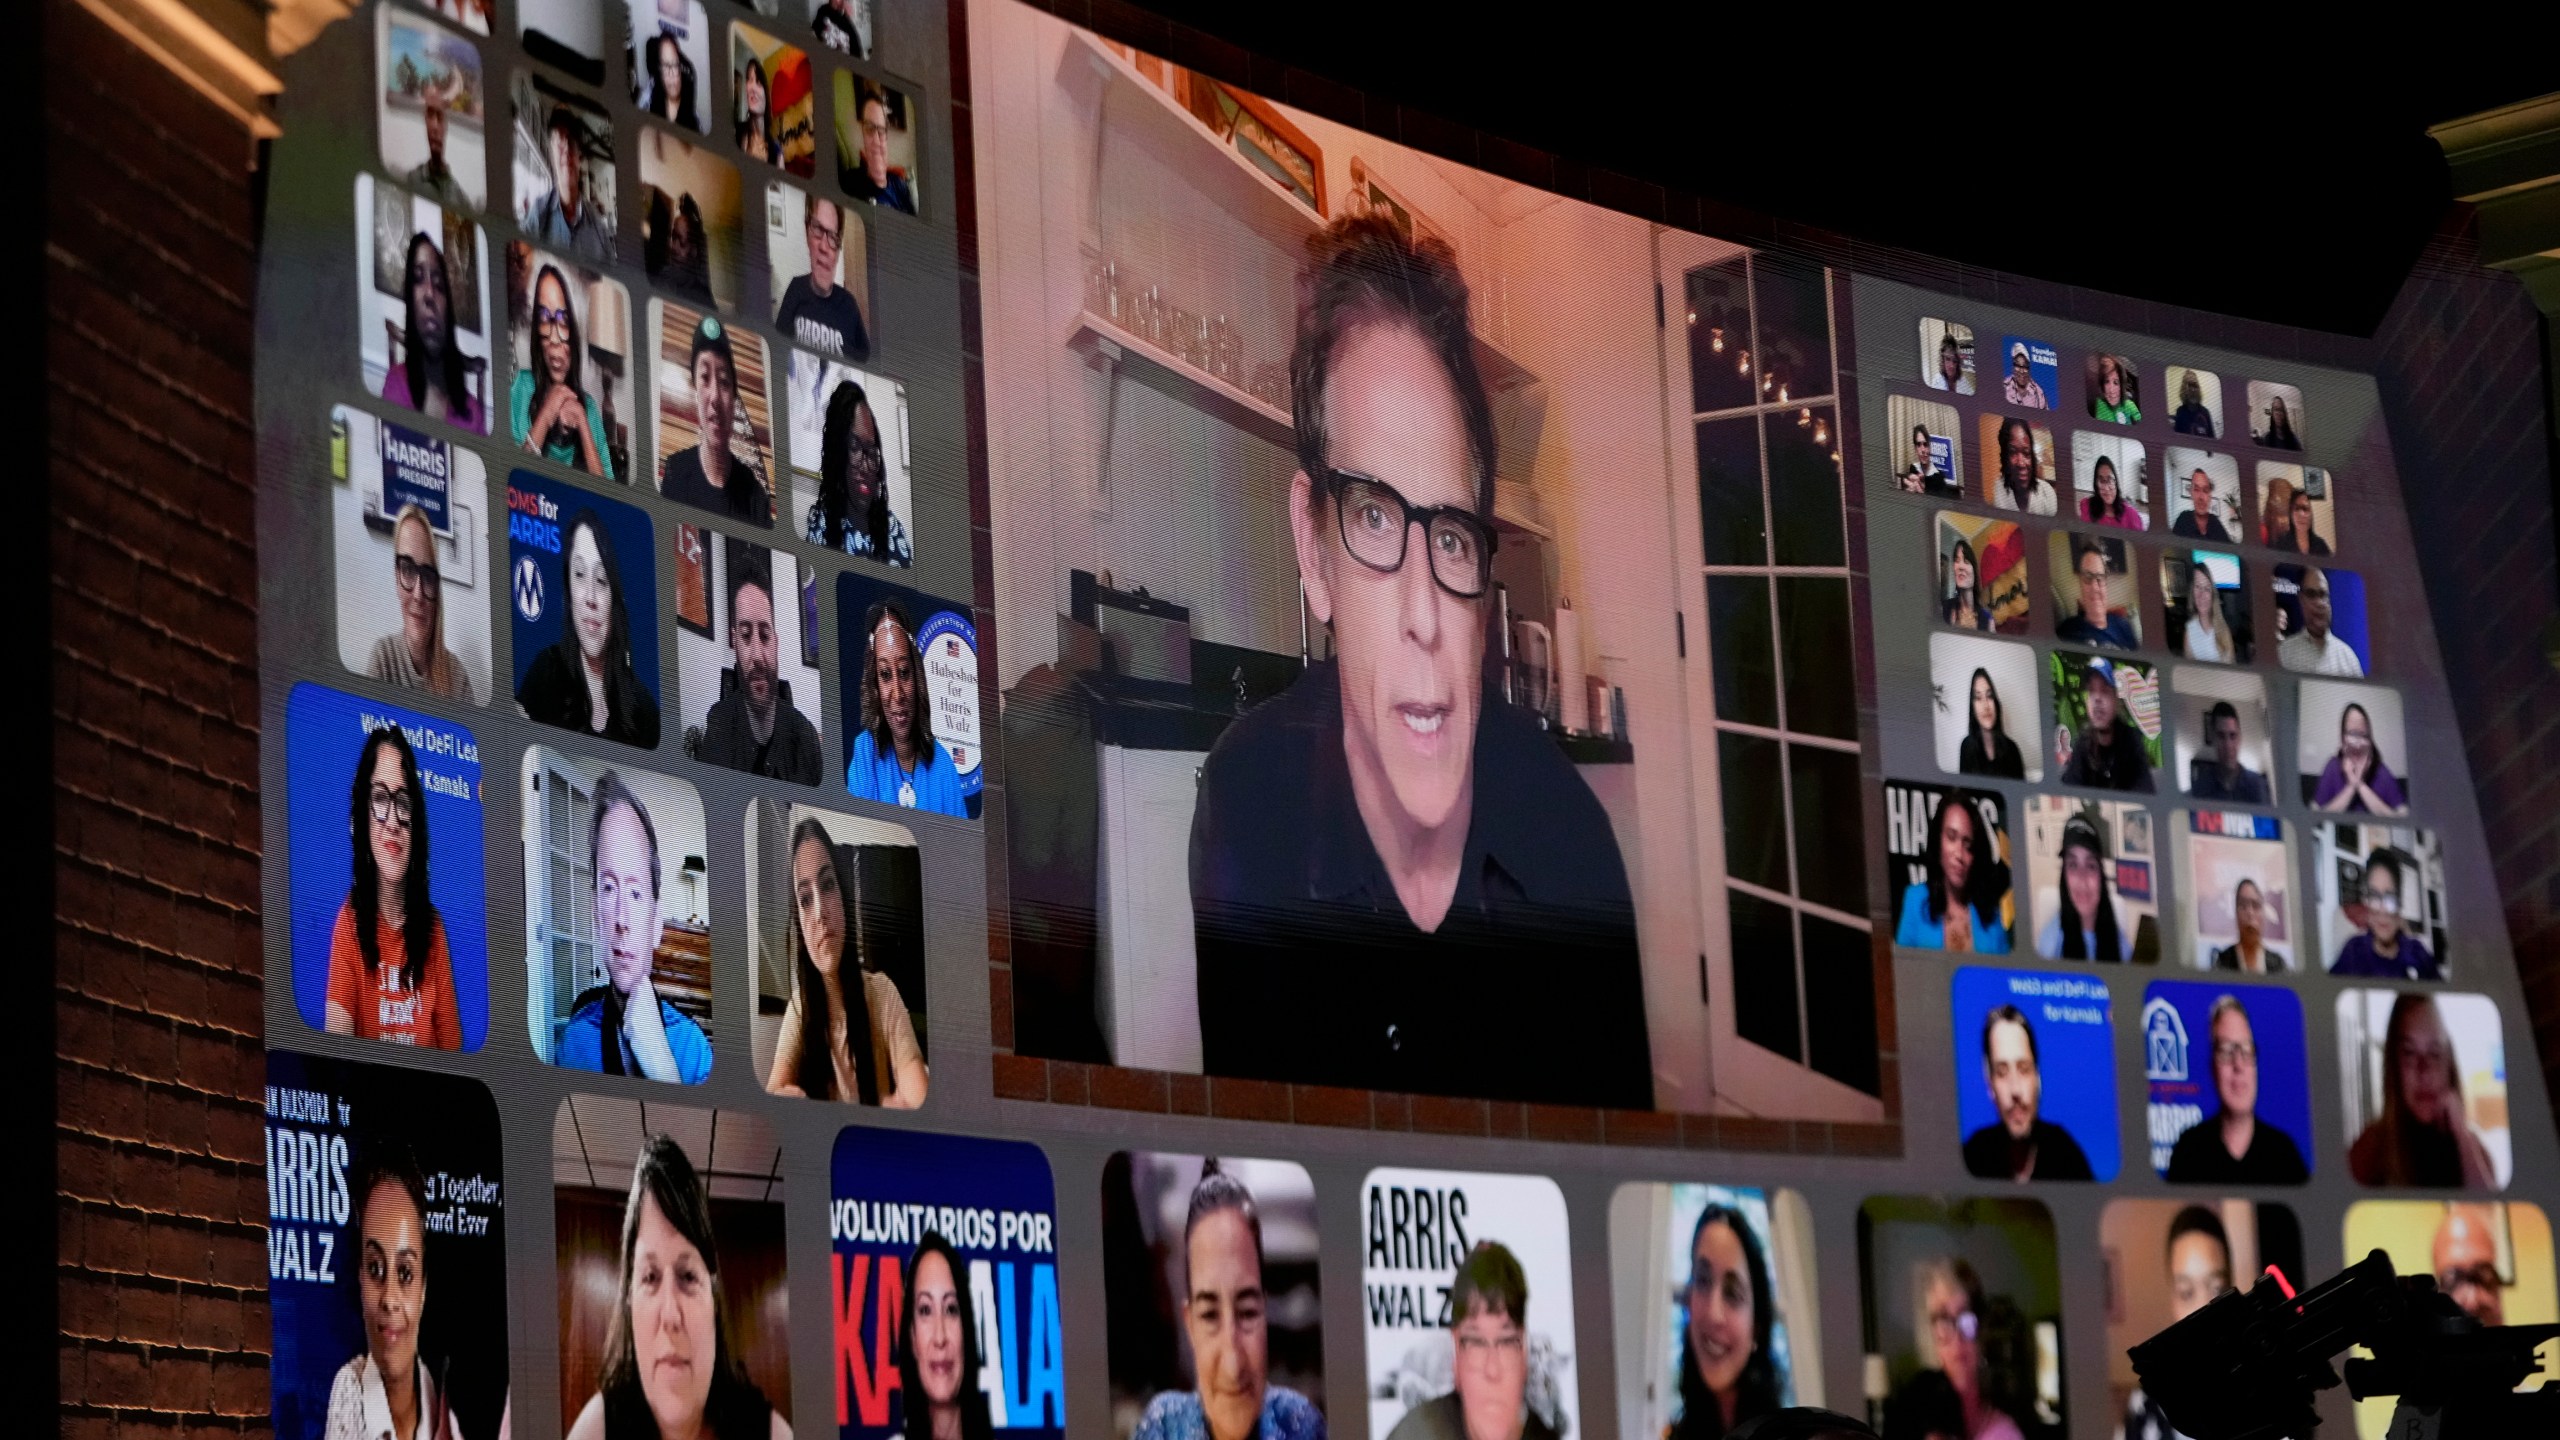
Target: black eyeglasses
{"type": "Point", "coordinates": [391, 806]}
{"type": "Point", "coordinates": [414, 576]}
{"type": "Point", "coordinates": [1375, 520]}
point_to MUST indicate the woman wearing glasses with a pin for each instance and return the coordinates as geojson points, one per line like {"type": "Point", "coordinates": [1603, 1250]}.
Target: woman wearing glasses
{"type": "Point", "coordinates": [414, 657]}
{"type": "Point", "coordinates": [390, 976]}
{"type": "Point", "coordinates": [851, 513]}
{"type": "Point", "coordinates": [1954, 1297]}
{"type": "Point", "coordinates": [549, 410]}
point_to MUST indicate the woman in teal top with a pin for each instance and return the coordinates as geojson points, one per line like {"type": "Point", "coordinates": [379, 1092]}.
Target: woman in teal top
{"type": "Point", "coordinates": [1957, 906]}
{"type": "Point", "coordinates": [549, 407]}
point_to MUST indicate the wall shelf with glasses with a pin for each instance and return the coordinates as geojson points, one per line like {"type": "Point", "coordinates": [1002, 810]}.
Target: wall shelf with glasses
{"type": "Point", "coordinates": [1132, 104]}
{"type": "Point", "coordinates": [1104, 343]}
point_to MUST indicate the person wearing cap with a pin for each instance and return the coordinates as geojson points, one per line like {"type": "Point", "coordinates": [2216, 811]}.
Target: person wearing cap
{"type": "Point", "coordinates": [2109, 754]}
{"type": "Point", "coordinates": [2020, 386]}
{"type": "Point", "coordinates": [2083, 923]}
{"type": "Point", "coordinates": [739, 491]}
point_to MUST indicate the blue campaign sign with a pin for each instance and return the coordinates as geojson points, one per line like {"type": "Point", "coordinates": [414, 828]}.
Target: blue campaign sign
{"type": "Point", "coordinates": [334, 768]}
{"type": "Point", "coordinates": [544, 521]}
{"type": "Point", "coordinates": [2179, 1063]}
{"type": "Point", "coordinates": [949, 773]}
{"type": "Point", "coordinates": [977, 1215]}
{"type": "Point", "coordinates": [417, 470]}
{"type": "Point", "coordinates": [2073, 1030]}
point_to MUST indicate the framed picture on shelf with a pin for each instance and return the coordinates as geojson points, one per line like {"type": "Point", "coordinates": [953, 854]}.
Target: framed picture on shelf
{"type": "Point", "coordinates": [1370, 195]}
{"type": "Point", "coordinates": [693, 580]}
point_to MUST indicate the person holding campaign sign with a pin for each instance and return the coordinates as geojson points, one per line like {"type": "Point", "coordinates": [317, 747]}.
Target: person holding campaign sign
{"type": "Point", "coordinates": [585, 681]}
{"type": "Point", "coordinates": [390, 971]}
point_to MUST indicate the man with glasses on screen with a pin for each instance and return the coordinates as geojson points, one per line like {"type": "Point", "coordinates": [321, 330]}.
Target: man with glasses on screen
{"type": "Point", "coordinates": [1488, 1319]}
{"type": "Point", "coordinates": [2315, 649]}
{"type": "Point", "coordinates": [563, 219]}
{"type": "Point", "coordinates": [2197, 521]}
{"type": "Point", "coordinates": [2235, 1145]}
{"type": "Point", "coordinates": [816, 312]}
{"type": "Point", "coordinates": [1398, 882]}
{"type": "Point", "coordinates": [2466, 1262]}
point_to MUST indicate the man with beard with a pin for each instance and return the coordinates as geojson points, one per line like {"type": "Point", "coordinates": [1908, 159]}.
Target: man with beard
{"type": "Point", "coordinates": [2221, 776]}
{"type": "Point", "coordinates": [2234, 1146]}
{"type": "Point", "coordinates": [2019, 1145]}
{"type": "Point", "coordinates": [2250, 952]}
{"type": "Point", "coordinates": [753, 726]}
{"type": "Point", "coordinates": [2466, 1262]}
{"type": "Point", "coordinates": [2109, 754]}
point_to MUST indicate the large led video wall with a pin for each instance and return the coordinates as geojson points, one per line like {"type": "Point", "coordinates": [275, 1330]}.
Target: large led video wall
{"type": "Point", "coordinates": [1174, 770]}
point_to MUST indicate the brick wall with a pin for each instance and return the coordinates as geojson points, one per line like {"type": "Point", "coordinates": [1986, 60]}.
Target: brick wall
{"type": "Point", "coordinates": [2461, 367]}
{"type": "Point", "coordinates": [151, 232]}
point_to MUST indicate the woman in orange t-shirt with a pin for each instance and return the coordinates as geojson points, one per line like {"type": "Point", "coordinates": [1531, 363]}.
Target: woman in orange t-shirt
{"type": "Point", "coordinates": [390, 976]}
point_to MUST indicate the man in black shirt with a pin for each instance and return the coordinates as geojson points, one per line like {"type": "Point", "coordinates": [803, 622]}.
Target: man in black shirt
{"type": "Point", "coordinates": [2234, 1146]}
{"type": "Point", "coordinates": [2197, 521]}
{"type": "Point", "coordinates": [2109, 754]}
{"type": "Point", "coordinates": [1397, 881]}
{"type": "Point", "coordinates": [816, 312]}
{"type": "Point", "coordinates": [753, 725]}
{"type": "Point", "coordinates": [2221, 776]}
{"type": "Point", "coordinates": [2019, 1145]}
{"type": "Point", "coordinates": [739, 491]}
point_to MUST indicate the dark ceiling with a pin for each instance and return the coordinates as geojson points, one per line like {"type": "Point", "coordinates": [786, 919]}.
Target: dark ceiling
{"type": "Point", "coordinates": [2170, 156]}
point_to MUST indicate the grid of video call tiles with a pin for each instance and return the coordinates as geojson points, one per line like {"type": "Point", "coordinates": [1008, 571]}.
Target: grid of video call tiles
{"type": "Point", "coordinates": [510, 457]}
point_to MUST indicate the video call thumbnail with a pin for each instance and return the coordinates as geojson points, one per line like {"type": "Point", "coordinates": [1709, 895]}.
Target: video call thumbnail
{"type": "Point", "coordinates": [2204, 495]}
{"type": "Point", "coordinates": [2424, 1085]}
{"type": "Point", "coordinates": [1976, 683]}
{"type": "Point", "coordinates": [715, 414]}
{"type": "Point", "coordinates": [2230, 1100]}
{"type": "Point", "coordinates": [852, 460]}
{"type": "Point", "coordinates": [2167, 1259]}
{"type": "Point", "coordinates": [1961, 1317]}
{"type": "Point", "coordinates": [836, 905]}
{"type": "Point", "coordinates": [2111, 480]}
{"type": "Point", "coordinates": [1466, 1288]}
{"type": "Point", "coordinates": [617, 959]}
{"type": "Point", "coordinates": [568, 35]}
{"type": "Point", "coordinates": [2094, 872]}
{"type": "Point", "coordinates": [2224, 741]}
{"type": "Point", "coordinates": [669, 47]}
{"type": "Point", "coordinates": [2237, 893]}
{"type": "Point", "coordinates": [910, 679]}
{"type": "Point", "coordinates": [2320, 622]}
{"type": "Point", "coordinates": [1982, 573]}
{"type": "Point", "coordinates": [2297, 507]}
{"type": "Point", "coordinates": [1714, 1287]}
{"type": "Point", "coordinates": [2017, 465]}
{"type": "Point", "coordinates": [584, 580]}
{"type": "Point", "coordinates": [818, 260]}
{"type": "Point", "coordinates": [2199, 396]}
{"type": "Point", "coordinates": [384, 1193]}
{"type": "Point", "coordinates": [1946, 355]}
{"type": "Point", "coordinates": [690, 218]}
{"type": "Point", "coordinates": [2379, 891]}
{"type": "Point", "coordinates": [747, 656]}
{"type": "Point", "coordinates": [843, 26]}
{"type": "Point", "coordinates": [2493, 1258]}
{"type": "Point", "coordinates": [412, 540]}
{"type": "Point", "coordinates": [570, 327]}
{"type": "Point", "coordinates": [1211, 1290]}
{"type": "Point", "coordinates": [2096, 600]}
{"type": "Point", "coordinates": [422, 307]}
{"type": "Point", "coordinates": [2275, 415]}
{"type": "Point", "coordinates": [565, 186]}
{"type": "Point", "coordinates": [876, 148]}
{"type": "Point", "coordinates": [433, 113]}
{"type": "Point", "coordinates": [675, 1313]}
{"type": "Point", "coordinates": [2038, 1102]}
{"type": "Point", "coordinates": [2031, 373]}
{"type": "Point", "coordinates": [943, 1287]}
{"type": "Point", "coordinates": [2204, 597]}
{"type": "Point", "coordinates": [774, 94]}
{"type": "Point", "coordinates": [2113, 385]}
{"type": "Point", "coordinates": [2348, 736]}
{"type": "Point", "coordinates": [1931, 461]}
{"type": "Point", "coordinates": [2108, 721]}
{"type": "Point", "coordinates": [1947, 853]}
{"type": "Point", "coordinates": [390, 933]}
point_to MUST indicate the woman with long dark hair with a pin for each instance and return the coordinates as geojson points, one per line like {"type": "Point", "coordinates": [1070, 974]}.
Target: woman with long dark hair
{"type": "Point", "coordinates": [2423, 1135]}
{"type": "Point", "coordinates": [816, 1054]}
{"type": "Point", "coordinates": [851, 513]}
{"type": "Point", "coordinates": [669, 77]}
{"type": "Point", "coordinates": [2357, 779]}
{"type": "Point", "coordinates": [670, 1367]}
{"type": "Point", "coordinates": [1956, 905]}
{"type": "Point", "coordinates": [1963, 605]}
{"type": "Point", "coordinates": [433, 376]}
{"type": "Point", "coordinates": [1987, 748]}
{"type": "Point", "coordinates": [548, 408]}
{"type": "Point", "coordinates": [2279, 433]}
{"type": "Point", "coordinates": [584, 681]}
{"type": "Point", "coordinates": [390, 1378]}
{"type": "Point", "coordinates": [2084, 924]}
{"type": "Point", "coordinates": [938, 1354]}
{"type": "Point", "coordinates": [2106, 504]}
{"type": "Point", "coordinates": [755, 114]}
{"type": "Point", "coordinates": [1727, 1373]}
{"type": "Point", "coordinates": [390, 975]}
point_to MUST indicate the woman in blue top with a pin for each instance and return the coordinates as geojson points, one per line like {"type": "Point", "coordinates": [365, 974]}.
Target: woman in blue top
{"type": "Point", "coordinates": [1957, 907]}
{"type": "Point", "coordinates": [896, 760]}
{"type": "Point", "coordinates": [1225, 1316]}
{"type": "Point", "coordinates": [2083, 925]}
{"type": "Point", "coordinates": [548, 410]}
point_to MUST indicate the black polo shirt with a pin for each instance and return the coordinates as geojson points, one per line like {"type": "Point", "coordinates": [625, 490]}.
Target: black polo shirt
{"type": "Point", "coordinates": [1310, 971]}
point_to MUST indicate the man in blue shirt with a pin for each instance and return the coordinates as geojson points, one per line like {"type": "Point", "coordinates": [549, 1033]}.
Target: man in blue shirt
{"type": "Point", "coordinates": [624, 1027]}
{"type": "Point", "coordinates": [2093, 623]}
